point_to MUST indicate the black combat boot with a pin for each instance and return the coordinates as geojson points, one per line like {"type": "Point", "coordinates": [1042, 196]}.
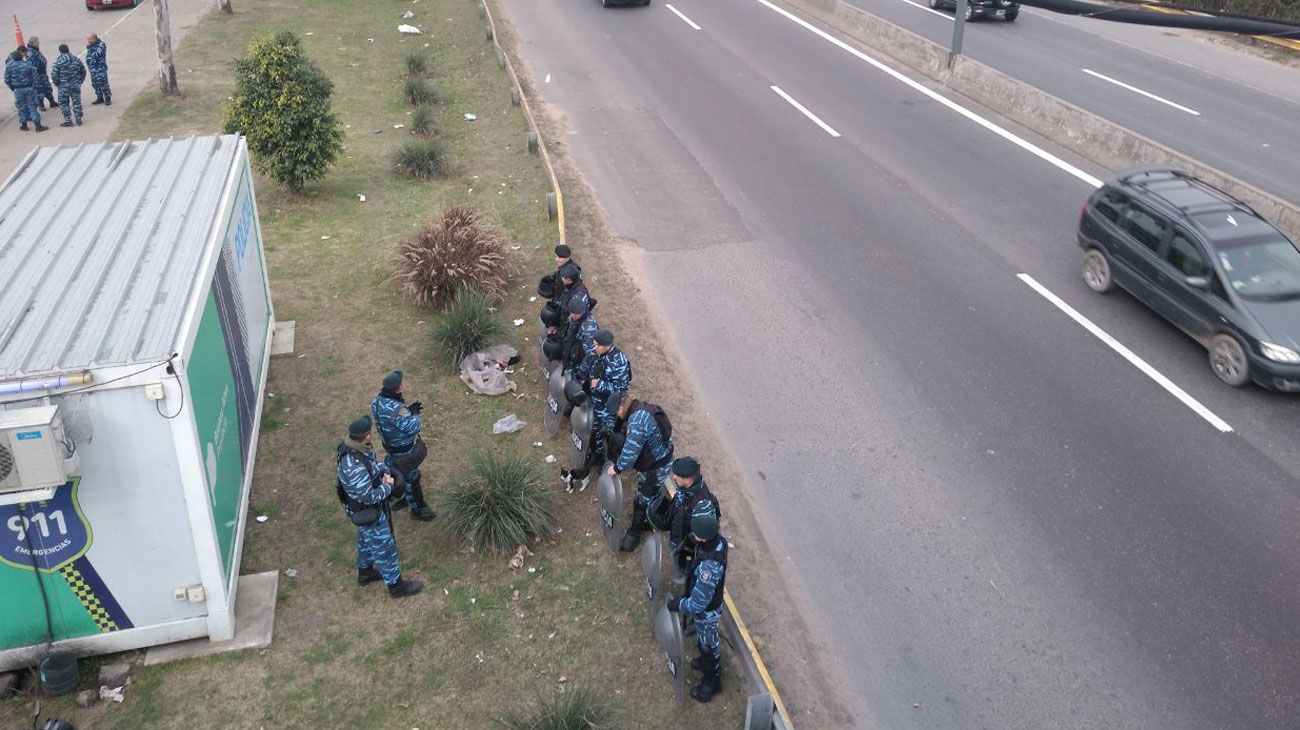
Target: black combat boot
{"type": "Point", "coordinates": [66, 124]}
{"type": "Point", "coordinates": [368, 575]}
{"type": "Point", "coordinates": [711, 684]}
{"type": "Point", "coordinates": [698, 662]}
{"type": "Point", "coordinates": [421, 511]}
{"type": "Point", "coordinates": [24, 127]}
{"type": "Point", "coordinates": [98, 100]}
{"type": "Point", "coordinates": [403, 588]}
{"type": "Point", "coordinates": [41, 128]}
{"type": "Point", "coordinates": [638, 525]}
{"type": "Point", "coordinates": [108, 101]}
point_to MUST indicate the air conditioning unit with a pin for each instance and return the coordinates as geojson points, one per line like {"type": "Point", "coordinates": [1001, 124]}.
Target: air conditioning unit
{"type": "Point", "coordinates": [35, 455]}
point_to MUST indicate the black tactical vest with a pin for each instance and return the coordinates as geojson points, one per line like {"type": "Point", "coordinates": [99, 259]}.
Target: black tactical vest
{"type": "Point", "coordinates": [706, 551]}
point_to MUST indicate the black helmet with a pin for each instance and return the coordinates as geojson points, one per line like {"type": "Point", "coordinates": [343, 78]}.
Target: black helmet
{"type": "Point", "coordinates": [614, 441]}
{"type": "Point", "coordinates": [551, 315]}
{"type": "Point", "coordinates": [552, 348]}
{"type": "Point", "coordinates": [546, 287]}
{"type": "Point", "coordinates": [574, 393]}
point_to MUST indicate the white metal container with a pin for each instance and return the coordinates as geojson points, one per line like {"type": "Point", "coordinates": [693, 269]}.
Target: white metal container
{"type": "Point", "coordinates": [134, 301]}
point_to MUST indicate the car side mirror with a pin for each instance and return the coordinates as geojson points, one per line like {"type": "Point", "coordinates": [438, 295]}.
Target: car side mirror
{"type": "Point", "coordinates": [1198, 282]}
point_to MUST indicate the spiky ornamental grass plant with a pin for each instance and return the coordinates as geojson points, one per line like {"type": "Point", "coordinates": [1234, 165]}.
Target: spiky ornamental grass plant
{"type": "Point", "coordinates": [460, 249]}
{"type": "Point", "coordinates": [422, 122]}
{"type": "Point", "coordinates": [416, 65]}
{"type": "Point", "coordinates": [468, 326]}
{"type": "Point", "coordinates": [282, 107]}
{"type": "Point", "coordinates": [417, 90]}
{"type": "Point", "coordinates": [423, 159]}
{"type": "Point", "coordinates": [500, 503]}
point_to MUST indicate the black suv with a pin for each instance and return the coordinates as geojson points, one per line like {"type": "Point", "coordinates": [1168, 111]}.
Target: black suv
{"type": "Point", "coordinates": [1206, 262]}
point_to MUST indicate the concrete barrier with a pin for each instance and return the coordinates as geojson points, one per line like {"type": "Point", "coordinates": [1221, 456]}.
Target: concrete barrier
{"type": "Point", "coordinates": [1090, 136]}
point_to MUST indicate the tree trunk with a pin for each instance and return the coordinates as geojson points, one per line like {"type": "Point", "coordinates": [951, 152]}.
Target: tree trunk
{"type": "Point", "coordinates": [224, 6]}
{"type": "Point", "coordinates": [163, 35]}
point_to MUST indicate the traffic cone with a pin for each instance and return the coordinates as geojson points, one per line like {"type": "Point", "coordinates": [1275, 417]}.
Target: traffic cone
{"type": "Point", "coordinates": [18, 33]}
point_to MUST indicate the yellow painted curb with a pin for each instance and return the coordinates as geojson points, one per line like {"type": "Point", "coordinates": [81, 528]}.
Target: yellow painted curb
{"type": "Point", "coordinates": [1286, 43]}
{"type": "Point", "coordinates": [758, 659]}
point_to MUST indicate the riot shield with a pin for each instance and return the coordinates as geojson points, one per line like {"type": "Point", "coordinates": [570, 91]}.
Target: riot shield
{"type": "Point", "coordinates": [609, 490]}
{"type": "Point", "coordinates": [542, 360]}
{"type": "Point", "coordinates": [583, 419]}
{"type": "Point", "coordinates": [553, 409]}
{"type": "Point", "coordinates": [653, 565]}
{"type": "Point", "coordinates": [668, 630]}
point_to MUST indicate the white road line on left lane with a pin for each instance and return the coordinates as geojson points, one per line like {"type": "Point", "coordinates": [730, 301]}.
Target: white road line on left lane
{"type": "Point", "coordinates": [816, 120]}
{"type": "Point", "coordinates": [681, 15]}
{"type": "Point", "coordinates": [1128, 354]}
{"type": "Point", "coordinates": [1136, 90]}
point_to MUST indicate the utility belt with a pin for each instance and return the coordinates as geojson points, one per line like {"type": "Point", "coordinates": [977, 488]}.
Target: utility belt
{"type": "Point", "coordinates": [362, 515]}
{"type": "Point", "coordinates": [409, 458]}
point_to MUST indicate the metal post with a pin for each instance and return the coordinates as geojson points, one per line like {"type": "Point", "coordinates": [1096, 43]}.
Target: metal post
{"type": "Point", "coordinates": [163, 36]}
{"type": "Point", "coordinates": [958, 28]}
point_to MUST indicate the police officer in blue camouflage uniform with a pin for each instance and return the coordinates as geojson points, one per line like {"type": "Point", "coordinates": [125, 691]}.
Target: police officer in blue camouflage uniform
{"type": "Point", "coordinates": [69, 73]}
{"type": "Point", "coordinates": [649, 450]}
{"type": "Point", "coordinates": [692, 499]}
{"type": "Point", "coordinates": [399, 430]}
{"type": "Point", "coordinates": [702, 601]}
{"type": "Point", "coordinates": [97, 62]}
{"type": "Point", "coordinates": [20, 77]}
{"type": "Point", "coordinates": [44, 92]}
{"type": "Point", "coordinates": [364, 486]}
{"type": "Point", "coordinates": [570, 286]}
{"type": "Point", "coordinates": [579, 341]}
{"type": "Point", "coordinates": [607, 377]}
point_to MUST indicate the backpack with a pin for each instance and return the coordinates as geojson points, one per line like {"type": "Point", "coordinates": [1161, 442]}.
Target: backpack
{"type": "Point", "coordinates": [643, 463]}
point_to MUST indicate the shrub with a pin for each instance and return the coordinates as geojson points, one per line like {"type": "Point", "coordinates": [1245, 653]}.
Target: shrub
{"type": "Point", "coordinates": [423, 159]}
{"type": "Point", "coordinates": [467, 327]}
{"type": "Point", "coordinates": [416, 64]}
{"type": "Point", "coordinates": [282, 106]}
{"type": "Point", "coordinates": [499, 504]}
{"type": "Point", "coordinates": [422, 122]}
{"type": "Point", "coordinates": [457, 250]}
{"type": "Point", "coordinates": [418, 91]}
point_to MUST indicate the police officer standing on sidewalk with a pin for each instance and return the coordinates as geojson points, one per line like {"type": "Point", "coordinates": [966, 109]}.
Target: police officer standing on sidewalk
{"type": "Point", "coordinates": [608, 377]}
{"type": "Point", "coordinates": [399, 430]}
{"type": "Point", "coordinates": [693, 499]}
{"type": "Point", "coordinates": [364, 486]}
{"type": "Point", "coordinates": [20, 77]}
{"type": "Point", "coordinates": [647, 446]}
{"type": "Point", "coordinates": [703, 601]}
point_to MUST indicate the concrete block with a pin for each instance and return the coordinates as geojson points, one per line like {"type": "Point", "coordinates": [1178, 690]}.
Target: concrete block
{"type": "Point", "coordinates": [282, 338]}
{"type": "Point", "coordinates": [114, 675]}
{"type": "Point", "coordinates": [254, 622]}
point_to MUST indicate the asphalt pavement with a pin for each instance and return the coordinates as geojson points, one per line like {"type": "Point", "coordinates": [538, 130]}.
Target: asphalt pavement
{"type": "Point", "coordinates": [1227, 108]}
{"type": "Point", "coordinates": [997, 518]}
{"type": "Point", "coordinates": [132, 64]}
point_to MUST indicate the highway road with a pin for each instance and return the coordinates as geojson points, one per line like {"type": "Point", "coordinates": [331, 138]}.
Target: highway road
{"type": "Point", "coordinates": [1008, 502]}
{"type": "Point", "coordinates": [1229, 109]}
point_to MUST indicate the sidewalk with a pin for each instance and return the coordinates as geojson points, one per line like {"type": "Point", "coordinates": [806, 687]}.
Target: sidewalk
{"type": "Point", "coordinates": [132, 66]}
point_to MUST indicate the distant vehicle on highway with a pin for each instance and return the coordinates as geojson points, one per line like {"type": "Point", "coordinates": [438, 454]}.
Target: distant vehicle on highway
{"type": "Point", "coordinates": [1006, 9]}
{"type": "Point", "coordinates": [1205, 261]}
{"type": "Point", "coordinates": [612, 3]}
{"type": "Point", "coordinates": [97, 4]}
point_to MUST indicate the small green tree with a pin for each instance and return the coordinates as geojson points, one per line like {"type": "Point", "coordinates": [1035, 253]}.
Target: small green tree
{"type": "Point", "coordinates": [282, 106]}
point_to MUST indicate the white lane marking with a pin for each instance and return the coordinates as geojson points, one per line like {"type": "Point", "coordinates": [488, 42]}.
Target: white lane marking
{"type": "Point", "coordinates": [681, 15]}
{"type": "Point", "coordinates": [928, 9]}
{"type": "Point", "coordinates": [994, 128]}
{"type": "Point", "coordinates": [1128, 354]}
{"type": "Point", "coordinates": [825, 127]}
{"type": "Point", "coordinates": [1136, 90]}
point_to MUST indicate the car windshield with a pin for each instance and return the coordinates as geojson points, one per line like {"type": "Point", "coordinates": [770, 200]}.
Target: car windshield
{"type": "Point", "coordinates": [1262, 268]}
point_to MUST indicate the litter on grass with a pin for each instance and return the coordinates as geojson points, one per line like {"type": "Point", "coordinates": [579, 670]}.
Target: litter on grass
{"type": "Point", "coordinates": [519, 323]}
{"type": "Point", "coordinates": [550, 458]}
{"type": "Point", "coordinates": [408, 29]}
{"type": "Point", "coordinates": [508, 424]}
{"type": "Point", "coordinates": [470, 117]}
{"type": "Point", "coordinates": [485, 372]}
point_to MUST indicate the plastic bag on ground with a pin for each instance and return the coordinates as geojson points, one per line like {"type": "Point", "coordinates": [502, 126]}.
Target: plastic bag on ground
{"type": "Point", "coordinates": [485, 372]}
{"type": "Point", "coordinates": [508, 424]}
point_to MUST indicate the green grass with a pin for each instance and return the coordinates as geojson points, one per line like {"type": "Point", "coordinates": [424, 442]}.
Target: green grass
{"type": "Point", "coordinates": [346, 656]}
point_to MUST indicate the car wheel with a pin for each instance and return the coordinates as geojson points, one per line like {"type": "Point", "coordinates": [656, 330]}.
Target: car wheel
{"type": "Point", "coordinates": [934, 4]}
{"type": "Point", "coordinates": [970, 12]}
{"type": "Point", "coordinates": [1012, 14]}
{"type": "Point", "coordinates": [1096, 272]}
{"type": "Point", "coordinates": [1228, 360]}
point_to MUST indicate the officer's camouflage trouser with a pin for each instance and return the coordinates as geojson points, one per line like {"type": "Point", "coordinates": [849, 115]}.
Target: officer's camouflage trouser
{"type": "Point", "coordinates": [706, 635]}
{"type": "Point", "coordinates": [25, 101]}
{"type": "Point", "coordinates": [70, 104]}
{"type": "Point", "coordinates": [648, 484]}
{"type": "Point", "coordinates": [100, 85]}
{"type": "Point", "coordinates": [376, 546]}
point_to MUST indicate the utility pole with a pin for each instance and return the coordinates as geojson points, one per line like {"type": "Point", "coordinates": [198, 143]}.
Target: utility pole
{"type": "Point", "coordinates": [224, 6]}
{"type": "Point", "coordinates": [163, 35]}
{"type": "Point", "coordinates": [958, 28]}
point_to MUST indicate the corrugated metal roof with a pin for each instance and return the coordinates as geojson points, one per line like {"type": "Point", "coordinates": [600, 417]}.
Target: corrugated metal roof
{"type": "Point", "coordinates": [99, 248]}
